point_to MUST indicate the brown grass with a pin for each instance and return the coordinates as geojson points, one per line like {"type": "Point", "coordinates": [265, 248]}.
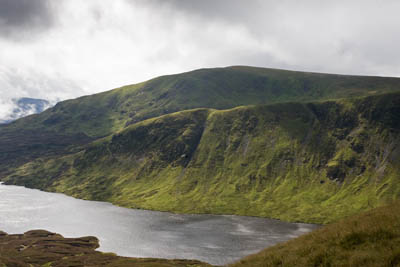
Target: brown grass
{"type": "Point", "coordinates": [368, 239]}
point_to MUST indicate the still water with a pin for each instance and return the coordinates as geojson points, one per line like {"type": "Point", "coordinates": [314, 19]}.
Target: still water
{"type": "Point", "coordinates": [140, 233]}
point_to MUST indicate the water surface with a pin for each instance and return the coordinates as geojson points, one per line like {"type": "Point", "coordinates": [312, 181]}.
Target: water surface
{"type": "Point", "coordinates": [216, 239]}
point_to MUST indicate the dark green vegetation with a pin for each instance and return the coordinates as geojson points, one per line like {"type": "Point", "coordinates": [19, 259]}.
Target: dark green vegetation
{"type": "Point", "coordinates": [368, 239]}
{"type": "Point", "coordinates": [313, 162]}
{"type": "Point", "coordinates": [20, 146]}
{"type": "Point", "coordinates": [42, 248]}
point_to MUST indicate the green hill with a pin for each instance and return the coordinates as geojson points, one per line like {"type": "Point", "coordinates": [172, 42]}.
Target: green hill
{"type": "Point", "coordinates": [314, 162]}
{"type": "Point", "coordinates": [72, 123]}
{"type": "Point", "coordinates": [220, 88]}
{"type": "Point", "coordinates": [368, 239]}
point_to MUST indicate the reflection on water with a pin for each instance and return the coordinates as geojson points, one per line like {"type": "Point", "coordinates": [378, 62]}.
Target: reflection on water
{"type": "Point", "coordinates": [139, 233]}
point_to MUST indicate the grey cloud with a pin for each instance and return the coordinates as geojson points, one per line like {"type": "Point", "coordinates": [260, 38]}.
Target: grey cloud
{"type": "Point", "coordinates": [249, 13]}
{"type": "Point", "coordinates": [96, 45]}
{"type": "Point", "coordinates": [226, 9]}
{"type": "Point", "coordinates": [24, 18]}
{"type": "Point", "coordinates": [354, 37]}
{"type": "Point", "coordinates": [16, 83]}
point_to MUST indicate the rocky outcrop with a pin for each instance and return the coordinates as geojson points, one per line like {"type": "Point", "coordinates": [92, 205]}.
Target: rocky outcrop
{"type": "Point", "coordinates": [43, 248]}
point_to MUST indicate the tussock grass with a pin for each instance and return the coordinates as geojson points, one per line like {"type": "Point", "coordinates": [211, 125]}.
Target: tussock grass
{"type": "Point", "coordinates": [368, 239]}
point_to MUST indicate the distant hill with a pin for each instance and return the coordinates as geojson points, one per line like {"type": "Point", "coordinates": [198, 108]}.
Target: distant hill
{"type": "Point", "coordinates": [23, 107]}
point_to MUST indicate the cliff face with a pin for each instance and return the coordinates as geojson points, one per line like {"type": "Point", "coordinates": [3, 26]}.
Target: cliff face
{"type": "Point", "coordinates": [313, 162]}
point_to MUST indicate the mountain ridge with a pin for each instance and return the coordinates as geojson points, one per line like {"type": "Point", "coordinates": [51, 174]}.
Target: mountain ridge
{"type": "Point", "coordinates": [219, 88]}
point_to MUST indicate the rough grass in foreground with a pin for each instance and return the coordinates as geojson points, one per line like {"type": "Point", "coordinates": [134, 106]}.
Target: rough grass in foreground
{"type": "Point", "coordinates": [368, 239]}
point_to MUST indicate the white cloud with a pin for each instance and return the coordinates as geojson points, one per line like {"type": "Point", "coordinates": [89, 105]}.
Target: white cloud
{"type": "Point", "coordinates": [6, 110]}
{"type": "Point", "coordinates": [17, 108]}
{"type": "Point", "coordinates": [92, 46]}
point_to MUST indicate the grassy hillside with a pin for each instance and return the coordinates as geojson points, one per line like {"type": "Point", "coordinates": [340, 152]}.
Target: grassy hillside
{"type": "Point", "coordinates": [43, 248]}
{"type": "Point", "coordinates": [220, 88]}
{"type": "Point", "coordinates": [313, 162]}
{"type": "Point", "coordinates": [368, 239]}
{"type": "Point", "coordinates": [73, 123]}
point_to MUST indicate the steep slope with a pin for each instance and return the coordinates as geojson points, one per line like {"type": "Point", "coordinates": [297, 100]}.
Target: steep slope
{"type": "Point", "coordinates": [313, 162]}
{"type": "Point", "coordinates": [73, 123]}
{"type": "Point", "coordinates": [368, 239]}
{"type": "Point", "coordinates": [20, 146]}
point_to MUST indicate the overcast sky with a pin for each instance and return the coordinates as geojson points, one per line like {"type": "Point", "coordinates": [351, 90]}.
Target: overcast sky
{"type": "Point", "coordinates": [67, 48]}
